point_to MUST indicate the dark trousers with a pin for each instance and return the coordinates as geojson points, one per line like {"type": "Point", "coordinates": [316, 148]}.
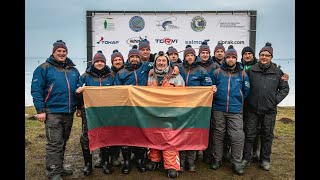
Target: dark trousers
{"type": "Point", "coordinates": [58, 128]}
{"type": "Point", "coordinates": [267, 122]}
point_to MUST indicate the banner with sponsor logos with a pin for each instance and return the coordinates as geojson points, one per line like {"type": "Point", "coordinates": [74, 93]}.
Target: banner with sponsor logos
{"type": "Point", "coordinates": [123, 30]}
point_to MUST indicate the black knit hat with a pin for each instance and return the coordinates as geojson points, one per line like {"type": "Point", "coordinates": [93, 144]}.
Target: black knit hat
{"type": "Point", "coordinates": [134, 51]}
{"type": "Point", "coordinates": [219, 46]}
{"type": "Point", "coordinates": [204, 46]}
{"type": "Point", "coordinates": [98, 57]}
{"type": "Point", "coordinates": [231, 52]}
{"type": "Point", "coordinates": [189, 50]}
{"type": "Point", "coordinates": [247, 49]}
{"type": "Point", "coordinates": [59, 44]}
{"type": "Point", "coordinates": [116, 53]}
{"type": "Point", "coordinates": [268, 48]}
{"type": "Point", "coordinates": [172, 50]}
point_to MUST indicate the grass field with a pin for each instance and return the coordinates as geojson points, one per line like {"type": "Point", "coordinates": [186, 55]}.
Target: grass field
{"type": "Point", "coordinates": [282, 159]}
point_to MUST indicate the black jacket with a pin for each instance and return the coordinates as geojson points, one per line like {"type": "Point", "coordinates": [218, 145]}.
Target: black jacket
{"type": "Point", "coordinates": [267, 89]}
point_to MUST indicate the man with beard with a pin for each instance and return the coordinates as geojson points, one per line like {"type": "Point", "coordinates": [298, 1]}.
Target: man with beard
{"type": "Point", "coordinates": [233, 87]}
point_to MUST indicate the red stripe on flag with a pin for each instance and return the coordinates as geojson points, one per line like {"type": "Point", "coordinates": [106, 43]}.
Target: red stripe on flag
{"type": "Point", "coordinates": [156, 138]}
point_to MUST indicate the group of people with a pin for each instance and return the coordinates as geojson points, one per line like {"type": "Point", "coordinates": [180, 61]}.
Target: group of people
{"type": "Point", "coordinates": [246, 95]}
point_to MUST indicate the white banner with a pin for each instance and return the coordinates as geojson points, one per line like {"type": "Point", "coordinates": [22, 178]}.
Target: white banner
{"type": "Point", "coordinates": [122, 31]}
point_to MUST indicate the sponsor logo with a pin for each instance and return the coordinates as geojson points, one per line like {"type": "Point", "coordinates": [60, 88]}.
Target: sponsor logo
{"type": "Point", "coordinates": [198, 23]}
{"type": "Point", "coordinates": [222, 24]}
{"type": "Point", "coordinates": [102, 41]}
{"type": "Point", "coordinates": [134, 41]}
{"type": "Point", "coordinates": [167, 23]}
{"type": "Point", "coordinates": [108, 24]}
{"type": "Point", "coordinates": [136, 23]}
{"type": "Point", "coordinates": [194, 41]}
{"type": "Point", "coordinates": [167, 41]}
{"type": "Point", "coordinates": [230, 42]}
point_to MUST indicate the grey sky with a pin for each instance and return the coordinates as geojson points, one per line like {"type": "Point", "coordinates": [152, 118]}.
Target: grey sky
{"type": "Point", "coordinates": [47, 21]}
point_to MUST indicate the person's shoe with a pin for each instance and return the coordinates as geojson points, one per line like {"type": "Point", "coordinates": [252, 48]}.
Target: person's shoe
{"type": "Point", "coordinates": [152, 166]}
{"type": "Point", "coordinates": [98, 163]}
{"type": "Point", "coordinates": [115, 161]}
{"type": "Point", "coordinates": [87, 169]}
{"type": "Point", "coordinates": [238, 168]}
{"type": "Point", "coordinates": [215, 164]}
{"type": "Point", "coordinates": [141, 165]}
{"type": "Point", "coordinates": [265, 165]}
{"type": "Point", "coordinates": [172, 173]}
{"type": "Point", "coordinates": [66, 172]}
{"type": "Point", "coordinates": [245, 163]}
{"type": "Point", "coordinates": [56, 177]}
{"type": "Point", "coordinates": [182, 165]}
{"type": "Point", "coordinates": [191, 166]}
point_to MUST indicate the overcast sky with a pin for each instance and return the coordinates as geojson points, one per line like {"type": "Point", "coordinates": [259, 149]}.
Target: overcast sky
{"type": "Point", "coordinates": [49, 20]}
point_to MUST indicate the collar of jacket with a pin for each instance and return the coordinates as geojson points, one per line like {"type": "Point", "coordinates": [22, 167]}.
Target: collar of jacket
{"type": "Point", "coordinates": [271, 70]}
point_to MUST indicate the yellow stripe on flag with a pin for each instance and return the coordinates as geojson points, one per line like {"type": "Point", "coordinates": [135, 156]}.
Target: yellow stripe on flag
{"type": "Point", "coordinates": [147, 96]}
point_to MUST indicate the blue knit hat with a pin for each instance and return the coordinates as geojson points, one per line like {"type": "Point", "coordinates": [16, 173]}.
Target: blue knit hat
{"type": "Point", "coordinates": [231, 52]}
{"type": "Point", "coordinates": [134, 51]}
{"type": "Point", "coordinates": [59, 44]}
{"type": "Point", "coordinates": [98, 57]}
{"type": "Point", "coordinates": [144, 43]}
{"type": "Point", "coordinates": [189, 50]}
{"type": "Point", "coordinates": [204, 46]}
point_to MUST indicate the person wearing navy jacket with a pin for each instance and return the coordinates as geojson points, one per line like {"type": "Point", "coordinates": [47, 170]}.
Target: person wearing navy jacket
{"type": "Point", "coordinates": [53, 89]}
{"type": "Point", "coordinates": [233, 87]}
{"type": "Point", "coordinates": [98, 74]}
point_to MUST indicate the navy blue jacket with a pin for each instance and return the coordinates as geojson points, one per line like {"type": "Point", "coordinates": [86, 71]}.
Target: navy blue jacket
{"type": "Point", "coordinates": [232, 88]}
{"type": "Point", "coordinates": [53, 86]}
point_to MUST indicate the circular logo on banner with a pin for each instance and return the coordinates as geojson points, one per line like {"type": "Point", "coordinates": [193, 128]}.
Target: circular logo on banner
{"type": "Point", "coordinates": [136, 23]}
{"type": "Point", "coordinates": [198, 23]}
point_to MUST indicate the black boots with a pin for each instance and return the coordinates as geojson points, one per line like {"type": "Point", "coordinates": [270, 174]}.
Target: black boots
{"type": "Point", "coordinates": [265, 165]}
{"type": "Point", "coordinates": [191, 165]}
{"type": "Point", "coordinates": [87, 169]}
{"type": "Point", "coordinates": [126, 154]}
{"type": "Point", "coordinates": [106, 160]}
{"type": "Point", "coordinates": [172, 173]}
{"type": "Point", "coordinates": [98, 164]}
{"type": "Point", "coordinates": [237, 168]}
{"type": "Point", "coordinates": [141, 157]}
{"type": "Point", "coordinates": [152, 166]}
{"type": "Point", "coordinates": [215, 164]}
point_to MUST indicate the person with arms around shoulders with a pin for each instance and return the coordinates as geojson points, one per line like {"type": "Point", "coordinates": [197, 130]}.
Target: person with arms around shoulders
{"type": "Point", "coordinates": [53, 89]}
{"type": "Point", "coordinates": [267, 90]}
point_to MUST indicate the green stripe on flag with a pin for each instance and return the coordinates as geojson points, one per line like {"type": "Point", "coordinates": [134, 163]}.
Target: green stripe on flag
{"type": "Point", "coordinates": [148, 117]}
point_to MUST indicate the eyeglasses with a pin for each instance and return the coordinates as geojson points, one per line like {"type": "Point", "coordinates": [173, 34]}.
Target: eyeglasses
{"type": "Point", "coordinates": [266, 55]}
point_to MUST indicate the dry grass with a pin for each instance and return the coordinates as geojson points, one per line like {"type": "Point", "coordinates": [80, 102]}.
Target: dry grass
{"type": "Point", "coordinates": [282, 159]}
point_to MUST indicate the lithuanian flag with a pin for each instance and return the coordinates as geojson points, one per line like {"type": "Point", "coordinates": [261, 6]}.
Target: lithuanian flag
{"type": "Point", "coordinates": [165, 118]}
